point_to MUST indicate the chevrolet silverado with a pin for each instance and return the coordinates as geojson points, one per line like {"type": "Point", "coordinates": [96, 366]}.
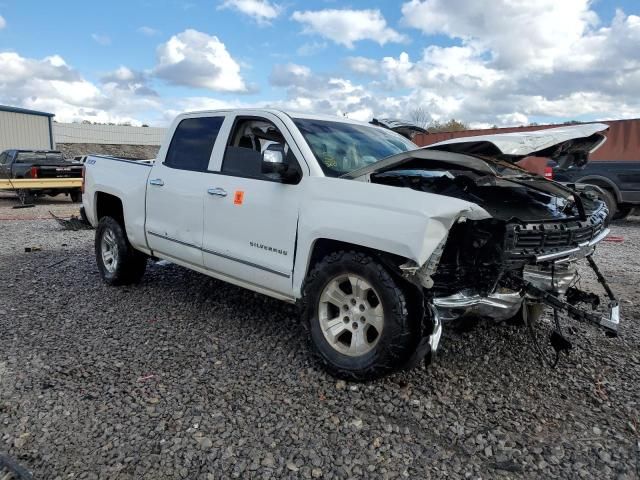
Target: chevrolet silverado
{"type": "Point", "coordinates": [377, 241]}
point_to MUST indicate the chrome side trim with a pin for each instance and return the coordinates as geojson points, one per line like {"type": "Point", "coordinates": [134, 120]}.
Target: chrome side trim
{"type": "Point", "coordinates": [226, 278]}
{"type": "Point", "coordinates": [244, 262]}
{"type": "Point", "coordinates": [173, 240]}
{"type": "Point", "coordinates": [221, 255]}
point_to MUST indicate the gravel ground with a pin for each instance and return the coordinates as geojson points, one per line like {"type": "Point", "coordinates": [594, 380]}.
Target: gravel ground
{"type": "Point", "coordinates": [183, 376]}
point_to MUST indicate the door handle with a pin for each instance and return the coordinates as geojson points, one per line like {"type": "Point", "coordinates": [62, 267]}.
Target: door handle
{"type": "Point", "coordinates": [157, 182]}
{"type": "Point", "coordinates": [219, 192]}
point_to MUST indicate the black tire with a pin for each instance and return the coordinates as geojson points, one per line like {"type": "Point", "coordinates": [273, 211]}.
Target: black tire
{"type": "Point", "coordinates": [622, 212]}
{"type": "Point", "coordinates": [399, 335]}
{"type": "Point", "coordinates": [130, 264]}
{"type": "Point", "coordinates": [76, 196]}
{"type": "Point", "coordinates": [26, 197]}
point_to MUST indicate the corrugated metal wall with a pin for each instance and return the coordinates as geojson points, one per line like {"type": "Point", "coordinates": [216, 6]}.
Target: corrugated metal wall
{"type": "Point", "coordinates": [21, 130]}
{"type": "Point", "coordinates": [107, 134]}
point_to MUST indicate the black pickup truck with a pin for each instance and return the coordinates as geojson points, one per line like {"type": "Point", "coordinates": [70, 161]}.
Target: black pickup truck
{"type": "Point", "coordinates": [39, 164]}
{"type": "Point", "coordinates": [618, 181]}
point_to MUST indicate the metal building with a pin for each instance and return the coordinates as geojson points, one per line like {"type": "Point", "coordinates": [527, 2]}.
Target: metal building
{"type": "Point", "coordinates": [28, 129]}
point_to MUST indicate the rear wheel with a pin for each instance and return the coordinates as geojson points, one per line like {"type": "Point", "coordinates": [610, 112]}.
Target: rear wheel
{"type": "Point", "coordinates": [119, 263]}
{"type": "Point", "coordinates": [359, 324]}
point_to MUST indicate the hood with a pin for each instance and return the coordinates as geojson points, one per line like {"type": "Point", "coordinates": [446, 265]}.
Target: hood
{"type": "Point", "coordinates": [402, 127]}
{"type": "Point", "coordinates": [568, 146]}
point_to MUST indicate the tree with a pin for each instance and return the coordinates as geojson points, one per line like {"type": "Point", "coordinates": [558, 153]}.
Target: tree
{"type": "Point", "coordinates": [452, 125]}
{"type": "Point", "coordinates": [420, 116]}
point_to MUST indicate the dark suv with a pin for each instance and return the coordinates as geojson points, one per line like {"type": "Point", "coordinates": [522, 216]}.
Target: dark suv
{"type": "Point", "coordinates": [619, 182]}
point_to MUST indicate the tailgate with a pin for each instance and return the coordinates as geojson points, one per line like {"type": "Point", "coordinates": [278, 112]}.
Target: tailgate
{"type": "Point", "coordinates": [58, 171]}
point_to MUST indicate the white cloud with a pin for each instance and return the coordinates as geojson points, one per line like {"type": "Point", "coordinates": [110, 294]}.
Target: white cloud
{"type": "Point", "coordinates": [49, 84]}
{"type": "Point", "coordinates": [311, 48]}
{"type": "Point", "coordinates": [103, 40]}
{"type": "Point", "coordinates": [290, 74]}
{"type": "Point", "coordinates": [515, 31]}
{"type": "Point", "coordinates": [513, 62]}
{"type": "Point", "coordinates": [346, 27]}
{"type": "Point", "coordinates": [132, 80]}
{"type": "Point", "coordinates": [148, 31]}
{"type": "Point", "coordinates": [195, 59]}
{"type": "Point", "coordinates": [262, 11]}
{"type": "Point", "coordinates": [363, 65]}
{"type": "Point", "coordinates": [3, 22]}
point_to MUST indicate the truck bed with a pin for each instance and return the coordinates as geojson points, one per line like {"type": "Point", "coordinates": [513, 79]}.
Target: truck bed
{"type": "Point", "coordinates": [124, 179]}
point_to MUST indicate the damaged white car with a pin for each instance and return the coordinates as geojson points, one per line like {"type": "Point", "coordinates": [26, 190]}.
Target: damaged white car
{"type": "Point", "coordinates": [379, 242]}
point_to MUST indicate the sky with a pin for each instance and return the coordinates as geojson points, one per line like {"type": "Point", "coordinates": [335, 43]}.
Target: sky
{"type": "Point", "coordinates": [504, 62]}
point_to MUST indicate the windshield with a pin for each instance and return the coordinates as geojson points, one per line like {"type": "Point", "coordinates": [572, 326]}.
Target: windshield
{"type": "Point", "coordinates": [343, 147]}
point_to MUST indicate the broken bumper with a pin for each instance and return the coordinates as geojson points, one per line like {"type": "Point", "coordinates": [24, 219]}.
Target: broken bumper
{"type": "Point", "coordinates": [541, 284]}
{"type": "Point", "coordinates": [499, 306]}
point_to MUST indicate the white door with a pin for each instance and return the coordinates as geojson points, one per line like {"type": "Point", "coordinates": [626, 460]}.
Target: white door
{"type": "Point", "coordinates": [176, 191]}
{"type": "Point", "coordinates": [250, 219]}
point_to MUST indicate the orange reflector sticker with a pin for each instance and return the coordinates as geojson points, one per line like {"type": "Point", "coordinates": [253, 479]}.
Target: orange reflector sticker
{"type": "Point", "coordinates": [238, 197]}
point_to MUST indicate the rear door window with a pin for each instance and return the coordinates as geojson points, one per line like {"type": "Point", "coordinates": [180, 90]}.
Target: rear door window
{"type": "Point", "coordinates": [192, 143]}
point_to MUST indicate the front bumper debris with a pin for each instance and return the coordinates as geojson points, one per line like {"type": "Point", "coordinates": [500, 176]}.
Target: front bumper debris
{"type": "Point", "coordinates": [609, 322]}
{"type": "Point", "coordinates": [498, 305]}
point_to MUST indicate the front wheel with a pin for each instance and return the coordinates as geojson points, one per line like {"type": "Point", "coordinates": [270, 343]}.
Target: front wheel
{"type": "Point", "coordinates": [359, 324]}
{"type": "Point", "coordinates": [119, 263]}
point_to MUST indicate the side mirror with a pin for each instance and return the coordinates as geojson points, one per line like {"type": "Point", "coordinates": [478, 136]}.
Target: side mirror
{"type": "Point", "coordinates": [273, 160]}
{"type": "Point", "coordinates": [275, 165]}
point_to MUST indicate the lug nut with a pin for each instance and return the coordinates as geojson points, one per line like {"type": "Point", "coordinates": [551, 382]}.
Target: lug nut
{"type": "Point", "coordinates": [355, 325]}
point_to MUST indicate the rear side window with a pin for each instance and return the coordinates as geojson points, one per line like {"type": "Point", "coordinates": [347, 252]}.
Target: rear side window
{"type": "Point", "coordinates": [192, 143]}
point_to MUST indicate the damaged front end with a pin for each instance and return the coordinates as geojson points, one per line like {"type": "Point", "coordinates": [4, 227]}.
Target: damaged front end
{"type": "Point", "coordinates": [525, 253]}
{"type": "Point", "coordinates": [525, 250]}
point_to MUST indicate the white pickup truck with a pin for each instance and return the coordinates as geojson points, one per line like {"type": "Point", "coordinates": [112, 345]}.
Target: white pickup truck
{"type": "Point", "coordinates": [378, 241]}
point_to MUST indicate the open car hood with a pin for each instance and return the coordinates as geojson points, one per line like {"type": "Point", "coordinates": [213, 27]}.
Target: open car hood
{"type": "Point", "coordinates": [569, 146]}
{"type": "Point", "coordinates": [404, 128]}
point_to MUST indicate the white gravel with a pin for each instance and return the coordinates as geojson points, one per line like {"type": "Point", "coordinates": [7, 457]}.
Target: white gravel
{"type": "Point", "coordinates": [183, 376]}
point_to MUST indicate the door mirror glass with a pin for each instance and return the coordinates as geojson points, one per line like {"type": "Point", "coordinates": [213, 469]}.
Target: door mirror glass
{"type": "Point", "coordinates": [273, 160]}
{"type": "Point", "coordinates": [270, 157]}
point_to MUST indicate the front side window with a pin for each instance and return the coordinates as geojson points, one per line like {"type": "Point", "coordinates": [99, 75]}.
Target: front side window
{"type": "Point", "coordinates": [250, 138]}
{"type": "Point", "coordinates": [192, 143]}
{"type": "Point", "coordinates": [343, 147]}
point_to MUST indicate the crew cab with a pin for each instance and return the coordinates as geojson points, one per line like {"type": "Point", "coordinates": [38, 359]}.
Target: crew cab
{"type": "Point", "coordinates": [377, 241]}
{"type": "Point", "coordinates": [39, 164]}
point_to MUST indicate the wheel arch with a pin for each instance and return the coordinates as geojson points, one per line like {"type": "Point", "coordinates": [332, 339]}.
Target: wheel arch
{"type": "Point", "coordinates": [602, 181]}
{"type": "Point", "coordinates": [322, 247]}
{"type": "Point", "coordinates": [108, 205]}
